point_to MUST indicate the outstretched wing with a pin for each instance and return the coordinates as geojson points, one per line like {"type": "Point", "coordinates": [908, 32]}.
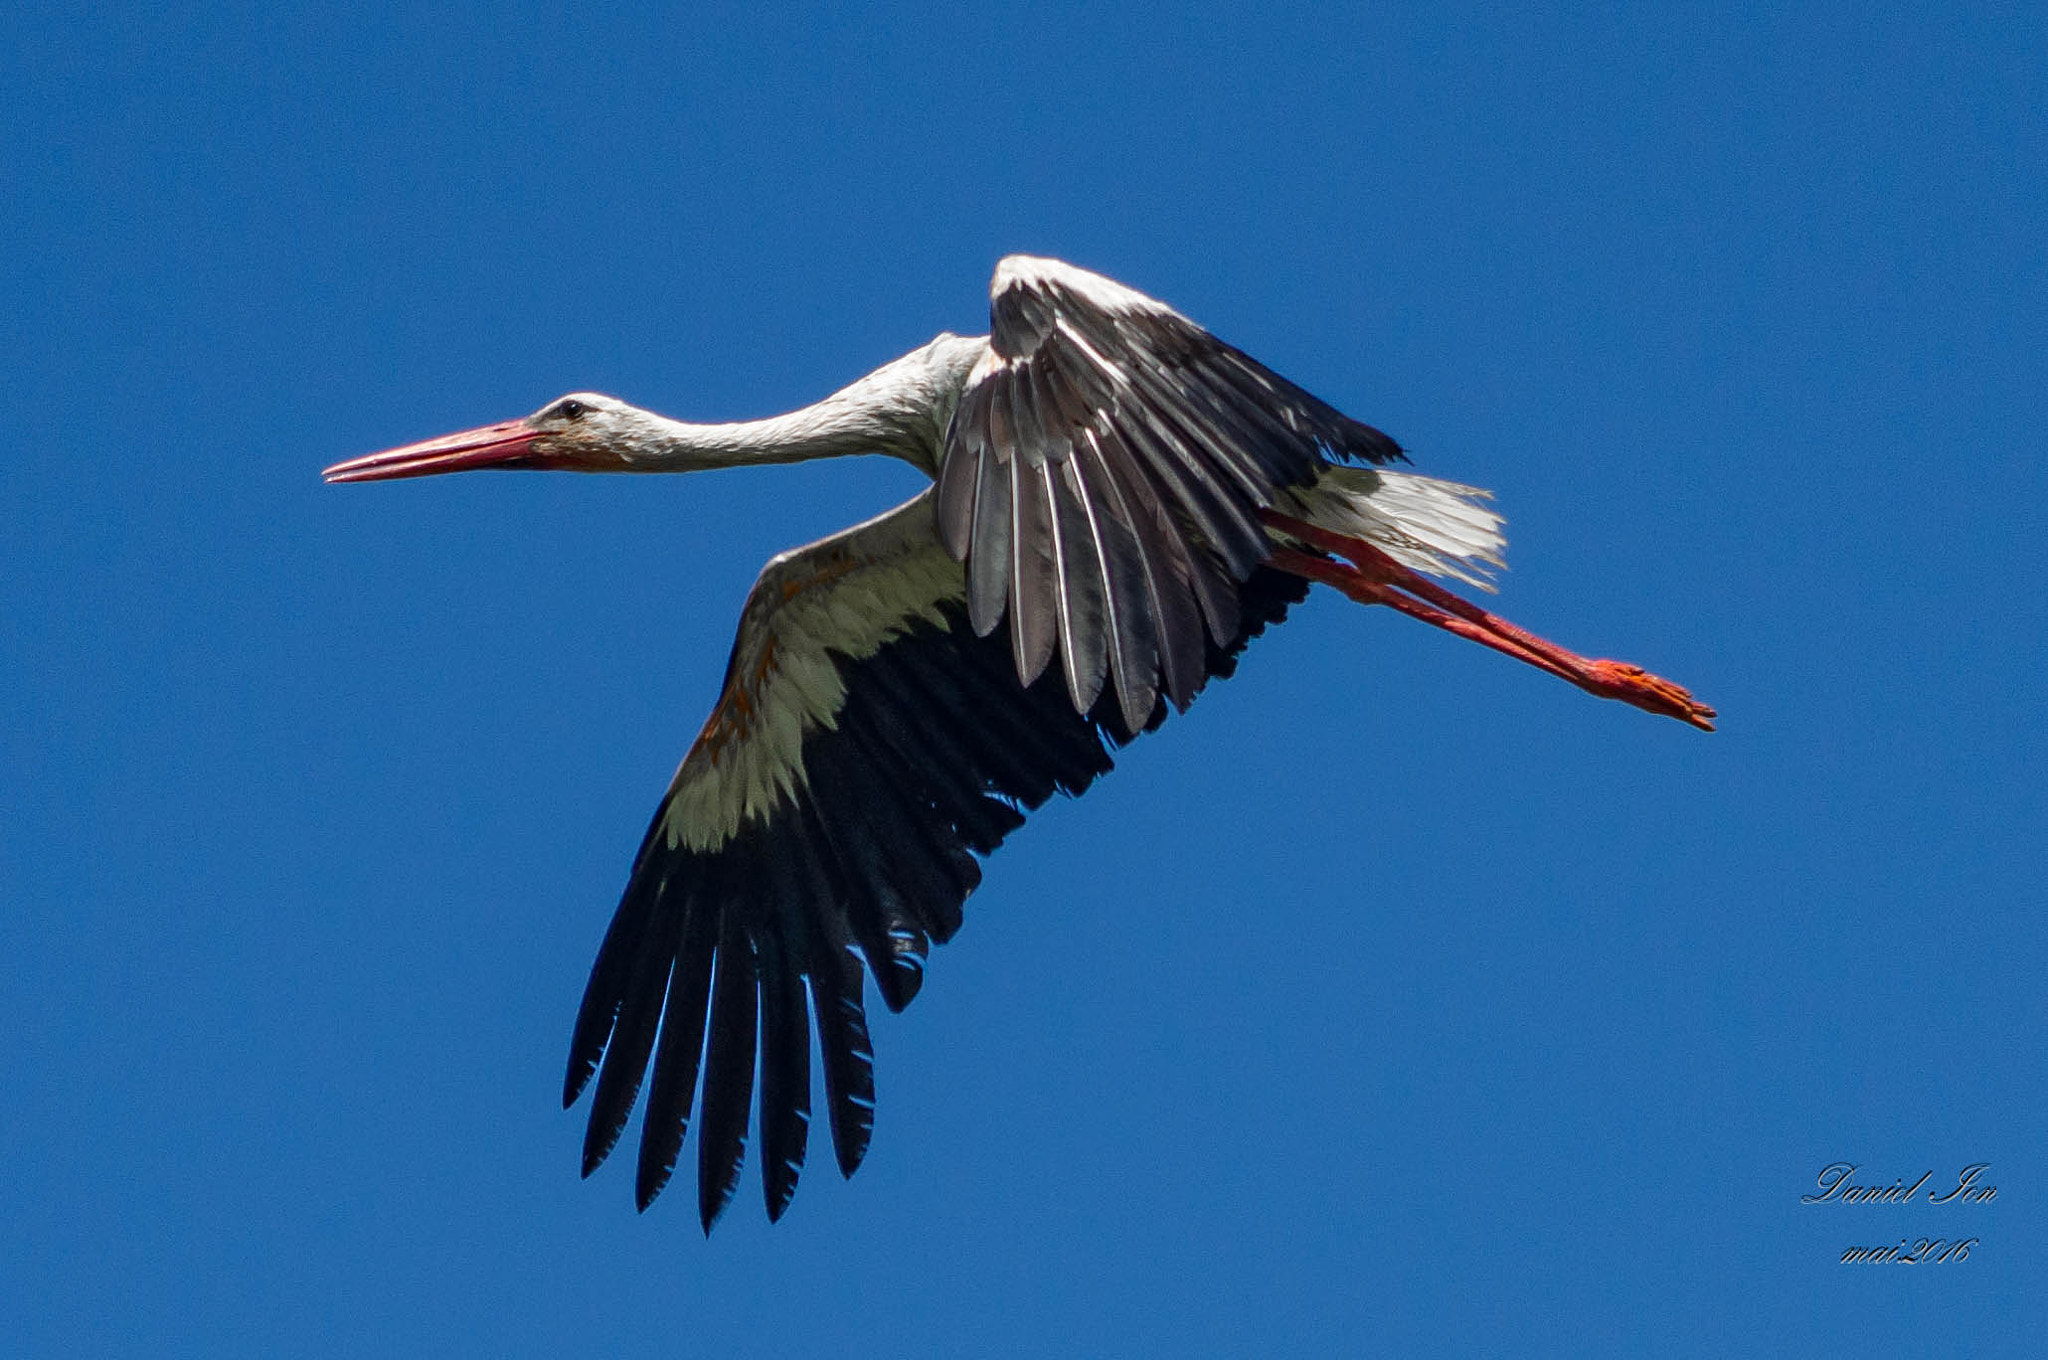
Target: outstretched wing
{"type": "Point", "coordinates": [867, 745]}
{"type": "Point", "coordinates": [1102, 478]}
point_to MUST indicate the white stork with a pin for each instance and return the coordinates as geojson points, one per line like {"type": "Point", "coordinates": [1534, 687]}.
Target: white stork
{"type": "Point", "coordinates": [1137, 499]}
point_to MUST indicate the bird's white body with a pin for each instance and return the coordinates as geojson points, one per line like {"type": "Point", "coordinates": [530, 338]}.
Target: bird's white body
{"type": "Point", "coordinates": [889, 572]}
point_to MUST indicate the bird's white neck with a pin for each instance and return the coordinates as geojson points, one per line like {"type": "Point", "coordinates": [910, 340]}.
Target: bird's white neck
{"type": "Point", "coordinates": [900, 409]}
{"type": "Point", "coordinates": [827, 430]}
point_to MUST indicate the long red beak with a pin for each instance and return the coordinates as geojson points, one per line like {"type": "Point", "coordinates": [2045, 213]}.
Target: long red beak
{"type": "Point", "coordinates": [502, 445]}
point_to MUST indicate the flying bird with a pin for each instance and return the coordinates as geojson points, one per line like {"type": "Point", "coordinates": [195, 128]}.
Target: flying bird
{"type": "Point", "coordinates": [1121, 501]}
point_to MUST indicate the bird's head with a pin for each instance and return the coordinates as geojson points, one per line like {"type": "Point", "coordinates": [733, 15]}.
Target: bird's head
{"type": "Point", "coordinates": [581, 432]}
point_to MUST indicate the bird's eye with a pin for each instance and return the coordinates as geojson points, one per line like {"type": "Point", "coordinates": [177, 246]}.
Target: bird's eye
{"type": "Point", "coordinates": [571, 410]}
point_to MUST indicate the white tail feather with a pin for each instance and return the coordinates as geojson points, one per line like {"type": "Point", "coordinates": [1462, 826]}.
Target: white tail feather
{"type": "Point", "coordinates": [1424, 523]}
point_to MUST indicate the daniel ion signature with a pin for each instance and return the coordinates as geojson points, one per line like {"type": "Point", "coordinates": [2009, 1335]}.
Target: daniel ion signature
{"type": "Point", "coordinates": [1843, 1183]}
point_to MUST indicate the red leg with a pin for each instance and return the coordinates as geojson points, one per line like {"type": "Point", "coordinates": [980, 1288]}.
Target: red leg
{"type": "Point", "coordinates": [1375, 578]}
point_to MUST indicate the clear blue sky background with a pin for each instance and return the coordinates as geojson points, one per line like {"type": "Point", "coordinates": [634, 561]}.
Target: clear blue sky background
{"type": "Point", "coordinates": [1395, 997]}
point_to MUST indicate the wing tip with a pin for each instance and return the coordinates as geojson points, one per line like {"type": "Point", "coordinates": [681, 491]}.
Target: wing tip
{"type": "Point", "coordinates": [779, 1188]}
{"type": "Point", "coordinates": [713, 1197]}
{"type": "Point", "coordinates": [648, 1187]}
{"type": "Point", "coordinates": [573, 1084]}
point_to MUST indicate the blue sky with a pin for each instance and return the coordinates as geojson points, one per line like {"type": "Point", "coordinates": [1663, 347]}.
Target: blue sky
{"type": "Point", "coordinates": [1395, 996]}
